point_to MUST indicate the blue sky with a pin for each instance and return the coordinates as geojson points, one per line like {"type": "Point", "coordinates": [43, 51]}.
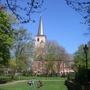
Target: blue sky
{"type": "Point", "coordinates": [62, 24]}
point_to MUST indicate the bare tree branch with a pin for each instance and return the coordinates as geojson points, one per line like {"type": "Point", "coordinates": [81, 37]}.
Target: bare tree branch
{"type": "Point", "coordinates": [22, 9]}
{"type": "Point", "coordinates": [81, 6]}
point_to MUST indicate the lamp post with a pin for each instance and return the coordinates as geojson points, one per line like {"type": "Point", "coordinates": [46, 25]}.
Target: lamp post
{"type": "Point", "coordinates": [86, 52]}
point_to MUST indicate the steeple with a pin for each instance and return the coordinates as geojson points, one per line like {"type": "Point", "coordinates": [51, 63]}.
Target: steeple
{"type": "Point", "coordinates": [40, 38]}
{"type": "Point", "coordinates": [40, 29]}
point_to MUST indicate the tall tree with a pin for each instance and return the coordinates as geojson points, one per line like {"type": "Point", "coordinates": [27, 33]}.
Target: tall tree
{"type": "Point", "coordinates": [12, 67]}
{"type": "Point", "coordinates": [22, 48]}
{"type": "Point", "coordinates": [55, 53]}
{"type": "Point", "coordinates": [22, 9]}
{"type": "Point", "coordinates": [79, 57]}
{"type": "Point", "coordinates": [6, 37]}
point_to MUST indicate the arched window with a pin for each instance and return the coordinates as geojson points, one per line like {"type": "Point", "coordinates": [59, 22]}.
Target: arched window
{"type": "Point", "coordinates": [38, 39]}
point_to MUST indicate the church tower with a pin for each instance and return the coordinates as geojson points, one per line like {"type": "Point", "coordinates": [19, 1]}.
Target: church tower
{"type": "Point", "coordinates": [40, 38]}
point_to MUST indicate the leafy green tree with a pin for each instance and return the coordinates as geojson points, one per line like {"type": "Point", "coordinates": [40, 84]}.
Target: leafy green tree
{"type": "Point", "coordinates": [88, 54]}
{"type": "Point", "coordinates": [12, 67]}
{"type": "Point", "coordinates": [79, 58]}
{"type": "Point", "coordinates": [6, 37]}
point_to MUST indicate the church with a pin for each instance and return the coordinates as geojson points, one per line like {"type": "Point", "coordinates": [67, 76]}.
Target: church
{"type": "Point", "coordinates": [39, 66]}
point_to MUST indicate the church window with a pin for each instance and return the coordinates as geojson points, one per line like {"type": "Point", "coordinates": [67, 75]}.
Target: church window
{"type": "Point", "coordinates": [38, 39]}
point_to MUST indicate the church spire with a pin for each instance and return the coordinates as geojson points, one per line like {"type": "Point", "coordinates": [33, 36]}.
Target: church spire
{"type": "Point", "coordinates": [40, 29]}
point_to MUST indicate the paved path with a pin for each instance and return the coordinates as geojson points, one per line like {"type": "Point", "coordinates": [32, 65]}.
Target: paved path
{"type": "Point", "coordinates": [13, 82]}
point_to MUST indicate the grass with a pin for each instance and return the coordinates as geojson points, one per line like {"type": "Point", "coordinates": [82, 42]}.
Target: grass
{"type": "Point", "coordinates": [49, 83]}
{"type": "Point", "coordinates": [30, 77]}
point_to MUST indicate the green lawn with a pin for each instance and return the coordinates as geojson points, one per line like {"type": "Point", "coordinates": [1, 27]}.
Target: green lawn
{"type": "Point", "coordinates": [48, 84]}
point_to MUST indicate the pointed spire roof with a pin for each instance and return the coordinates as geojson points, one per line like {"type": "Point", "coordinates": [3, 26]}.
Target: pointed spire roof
{"type": "Point", "coordinates": [40, 29]}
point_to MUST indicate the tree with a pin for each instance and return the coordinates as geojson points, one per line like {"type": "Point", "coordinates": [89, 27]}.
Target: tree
{"type": "Point", "coordinates": [6, 37]}
{"type": "Point", "coordinates": [55, 53]}
{"type": "Point", "coordinates": [22, 49]}
{"type": "Point", "coordinates": [40, 53]}
{"type": "Point", "coordinates": [81, 6]}
{"type": "Point", "coordinates": [22, 9]}
{"type": "Point", "coordinates": [12, 67]}
{"type": "Point", "coordinates": [79, 57]}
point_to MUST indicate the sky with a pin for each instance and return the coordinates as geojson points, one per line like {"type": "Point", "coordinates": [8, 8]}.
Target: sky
{"type": "Point", "coordinates": [61, 24]}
